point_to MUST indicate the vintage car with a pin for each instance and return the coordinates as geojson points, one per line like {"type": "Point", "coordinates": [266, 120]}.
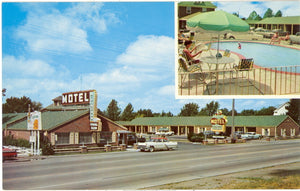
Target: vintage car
{"type": "Point", "coordinates": [155, 144]}
{"type": "Point", "coordinates": [165, 133]}
{"type": "Point", "coordinates": [250, 135]}
{"type": "Point", "coordinates": [8, 153]}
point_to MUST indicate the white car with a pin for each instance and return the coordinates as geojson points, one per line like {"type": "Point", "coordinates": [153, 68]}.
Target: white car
{"type": "Point", "coordinates": [156, 144]}
{"type": "Point", "coordinates": [250, 135]}
{"type": "Point", "coordinates": [165, 133]}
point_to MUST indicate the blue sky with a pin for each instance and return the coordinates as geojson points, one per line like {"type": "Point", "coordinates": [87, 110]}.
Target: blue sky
{"type": "Point", "coordinates": [123, 50]}
{"type": "Point", "coordinates": [244, 8]}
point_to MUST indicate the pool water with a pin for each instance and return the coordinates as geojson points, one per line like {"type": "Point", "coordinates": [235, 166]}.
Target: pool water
{"type": "Point", "coordinates": [264, 55]}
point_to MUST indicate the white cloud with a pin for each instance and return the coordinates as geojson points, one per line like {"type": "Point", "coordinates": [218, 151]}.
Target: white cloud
{"type": "Point", "coordinates": [26, 67]}
{"type": "Point", "coordinates": [152, 55]}
{"type": "Point", "coordinates": [64, 32]}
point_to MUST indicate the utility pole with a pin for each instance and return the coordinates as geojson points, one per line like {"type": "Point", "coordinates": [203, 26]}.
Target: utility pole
{"type": "Point", "coordinates": [232, 127]}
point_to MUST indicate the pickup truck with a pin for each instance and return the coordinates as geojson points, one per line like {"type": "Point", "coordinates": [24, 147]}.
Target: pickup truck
{"type": "Point", "coordinates": [250, 135]}
{"type": "Point", "coordinates": [156, 144]}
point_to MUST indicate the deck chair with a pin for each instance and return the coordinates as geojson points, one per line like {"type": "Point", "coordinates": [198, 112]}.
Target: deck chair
{"type": "Point", "coordinates": [186, 70]}
{"type": "Point", "coordinates": [208, 48]}
{"type": "Point", "coordinates": [227, 53]}
{"type": "Point", "coordinates": [244, 65]}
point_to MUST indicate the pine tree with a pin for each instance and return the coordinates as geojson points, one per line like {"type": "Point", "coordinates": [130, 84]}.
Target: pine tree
{"type": "Point", "coordinates": [128, 114]}
{"type": "Point", "coordinates": [113, 111]}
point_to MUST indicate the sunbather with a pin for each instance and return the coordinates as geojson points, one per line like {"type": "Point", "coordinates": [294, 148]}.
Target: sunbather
{"type": "Point", "coordinates": [188, 53]}
{"type": "Point", "coordinates": [181, 37]}
{"type": "Point", "coordinates": [287, 37]}
{"type": "Point", "coordinates": [275, 38]}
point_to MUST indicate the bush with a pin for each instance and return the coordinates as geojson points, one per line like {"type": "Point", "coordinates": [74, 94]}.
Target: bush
{"type": "Point", "coordinates": [47, 148]}
{"type": "Point", "coordinates": [193, 137]}
{"type": "Point", "coordinates": [9, 140]}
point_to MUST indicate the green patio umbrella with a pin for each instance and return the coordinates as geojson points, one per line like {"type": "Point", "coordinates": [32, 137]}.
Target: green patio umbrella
{"type": "Point", "coordinates": [218, 21]}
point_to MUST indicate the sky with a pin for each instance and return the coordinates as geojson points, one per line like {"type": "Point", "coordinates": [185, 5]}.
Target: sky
{"type": "Point", "coordinates": [124, 50]}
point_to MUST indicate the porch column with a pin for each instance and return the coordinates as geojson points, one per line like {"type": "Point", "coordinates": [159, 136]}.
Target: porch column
{"type": "Point", "coordinates": [185, 133]}
{"type": "Point", "coordinates": [178, 129]}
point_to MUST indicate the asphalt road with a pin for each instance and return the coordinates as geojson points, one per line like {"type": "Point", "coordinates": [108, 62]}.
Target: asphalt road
{"type": "Point", "coordinates": [134, 170]}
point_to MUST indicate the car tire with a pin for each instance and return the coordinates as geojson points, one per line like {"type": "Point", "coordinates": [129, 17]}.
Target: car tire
{"type": "Point", "coordinates": [151, 149]}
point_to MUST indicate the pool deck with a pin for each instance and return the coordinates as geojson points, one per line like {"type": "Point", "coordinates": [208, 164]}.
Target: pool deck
{"type": "Point", "coordinates": [259, 82]}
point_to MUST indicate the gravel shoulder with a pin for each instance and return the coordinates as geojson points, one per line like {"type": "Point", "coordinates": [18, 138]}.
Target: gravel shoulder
{"type": "Point", "coordinates": [216, 182]}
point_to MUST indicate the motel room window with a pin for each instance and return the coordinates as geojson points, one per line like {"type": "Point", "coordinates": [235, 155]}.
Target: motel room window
{"type": "Point", "coordinates": [62, 138]}
{"type": "Point", "coordinates": [85, 138]}
{"type": "Point", "coordinates": [188, 10]}
{"type": "Point", "coordinates": [293, 132]}
{"type": "Point", "coordinates": [283, 132]}
{"type": "Point", "coordinates": [204, 9]}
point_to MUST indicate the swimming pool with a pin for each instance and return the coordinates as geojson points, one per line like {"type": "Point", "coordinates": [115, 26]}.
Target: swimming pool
{"type": "Point", "coordinates": [264, 55]}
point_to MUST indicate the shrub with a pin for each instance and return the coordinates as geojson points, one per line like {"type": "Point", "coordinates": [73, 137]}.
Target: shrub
{"type": "Point", "coordinates": [9, 140]}
{"type": "Point", "coordinates": [193, 137]}
{"type": "Point", "coordinates": [47, 148]}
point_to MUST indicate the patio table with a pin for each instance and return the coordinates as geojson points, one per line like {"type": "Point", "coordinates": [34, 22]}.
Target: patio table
{"type": "Point", "coordinates": [212, 60]}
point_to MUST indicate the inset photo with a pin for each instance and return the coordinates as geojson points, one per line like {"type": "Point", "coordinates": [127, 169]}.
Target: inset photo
{"type": "Point", "coordinates": [238, 48]}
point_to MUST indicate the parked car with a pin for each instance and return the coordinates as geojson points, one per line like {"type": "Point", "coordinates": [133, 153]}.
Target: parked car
{"type": "Point", "coordinates": [8, 153]}
{"type": "Point", "coordinates": [155, 144]}
{"type": "Point", "coordinates": [295, 39]}
{"type": "Point", "coordinates": [280, 32]}
{"type": "Point", "coordinates": [251, 135]}
{"type": "Point", "coordinates": [165, 133]}
{"type": "Point", "coordinates": [238, 134]}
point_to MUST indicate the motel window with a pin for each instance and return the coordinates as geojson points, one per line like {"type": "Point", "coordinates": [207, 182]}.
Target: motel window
{"type": "Point", "coordinates": [283, 132]}
{"type": "Point", "coordinates": [188, 10]}
{"type": "Point", "coordinates": [106, 136]}
{"type": "Point", "coordinates": [204, 9]}
{"type": "Point", "coordinates": [85, 138]}
{"type": "Point", "coordinates": [62, 138]}
{"type": "Point", "coordinates": [293, 132]}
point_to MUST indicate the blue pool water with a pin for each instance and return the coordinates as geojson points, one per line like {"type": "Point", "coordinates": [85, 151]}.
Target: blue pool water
{"type": "Point", "coordinates": [264, 55]}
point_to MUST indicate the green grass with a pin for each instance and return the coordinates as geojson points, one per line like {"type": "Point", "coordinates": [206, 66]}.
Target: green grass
{"type": "Point", "coordinates": [287, 182]}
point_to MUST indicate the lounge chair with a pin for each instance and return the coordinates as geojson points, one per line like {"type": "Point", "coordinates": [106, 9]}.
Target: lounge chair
{"type": "Point", "coordinates": [227, 53]}
{"type": "Point", "coordinates": [187, 70]}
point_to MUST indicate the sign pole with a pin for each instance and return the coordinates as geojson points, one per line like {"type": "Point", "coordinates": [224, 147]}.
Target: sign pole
{"type": "Point", "coordinates": [232, 128]}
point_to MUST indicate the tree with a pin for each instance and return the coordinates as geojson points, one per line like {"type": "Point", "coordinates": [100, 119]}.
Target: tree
{"type": "Point", "coordinates": [20, 105]}
{"type": "Point", "coordinates": [247, 112]}
{"type": "Point", "coordinates": [128, 113]}
{"type": "Point", "coordinates": [268, 13]}
{"type": "Point", "coordinates": [254, 16]}
{"type": "Point", "coordinates": [113, 111]}
{"type": "Point", "coordinates": [210, 109]}
{"type": "Point", "coordinates": [226, 112]}
{"type": "Point", "coordinates": [294, 110]}
{"type": "Point", "coordinates": [144, 113]}
{"type": "Point", "coordinates": [266, 111]}
{"type": "Point", "coordinates": [190, 109]}
{"type": "Point", "coordinates": [164, 114]}
{"type": "Point", "coordinates": [278, 14]}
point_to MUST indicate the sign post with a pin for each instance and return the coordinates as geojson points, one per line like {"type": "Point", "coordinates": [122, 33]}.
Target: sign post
{"type": "Point", "coordinates": [34, 124]}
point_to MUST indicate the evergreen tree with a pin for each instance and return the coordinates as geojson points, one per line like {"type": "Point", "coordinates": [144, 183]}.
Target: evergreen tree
{"type": "Point", "coordinates": [278, 14]}
{"type": "Point", "coordinates": [20, 105]}
{"type": "Point", "coordinates": [294, 110]}
{"type": "Point", "coordinates": [190, 109]}
{"type": "Point", "coordinates": [113, 111]}
{"type": "Point", "coordinates": [128, 114]}
{"type": "Point", "coordinates": [254, 16]}
{"type": "Point", "coordinates": [144, 113]}
{"type": "Point", "coordinates": [268, 13]}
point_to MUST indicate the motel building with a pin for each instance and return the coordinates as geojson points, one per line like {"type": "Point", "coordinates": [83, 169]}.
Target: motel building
{"type": "Point", "coordinates": [71, 120]}
{"type": "Point", "coordinates": [281, 126]}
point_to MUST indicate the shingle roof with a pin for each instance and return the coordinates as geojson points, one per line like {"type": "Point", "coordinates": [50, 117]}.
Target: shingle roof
{"type": "Point", "coordinates": [50, 119]}
{"type": "Point", "coordinates": [11, 117]}
{"type": "Point", "coordinates": [205, 4]}
{"type": "Point", "coordinates": [249, 121]}
{"type": "Point", "coordinates": [281, 20]}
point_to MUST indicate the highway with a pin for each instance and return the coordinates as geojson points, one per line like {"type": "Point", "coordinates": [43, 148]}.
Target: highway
{"type": "Point", "coordinates": [135, 170]}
